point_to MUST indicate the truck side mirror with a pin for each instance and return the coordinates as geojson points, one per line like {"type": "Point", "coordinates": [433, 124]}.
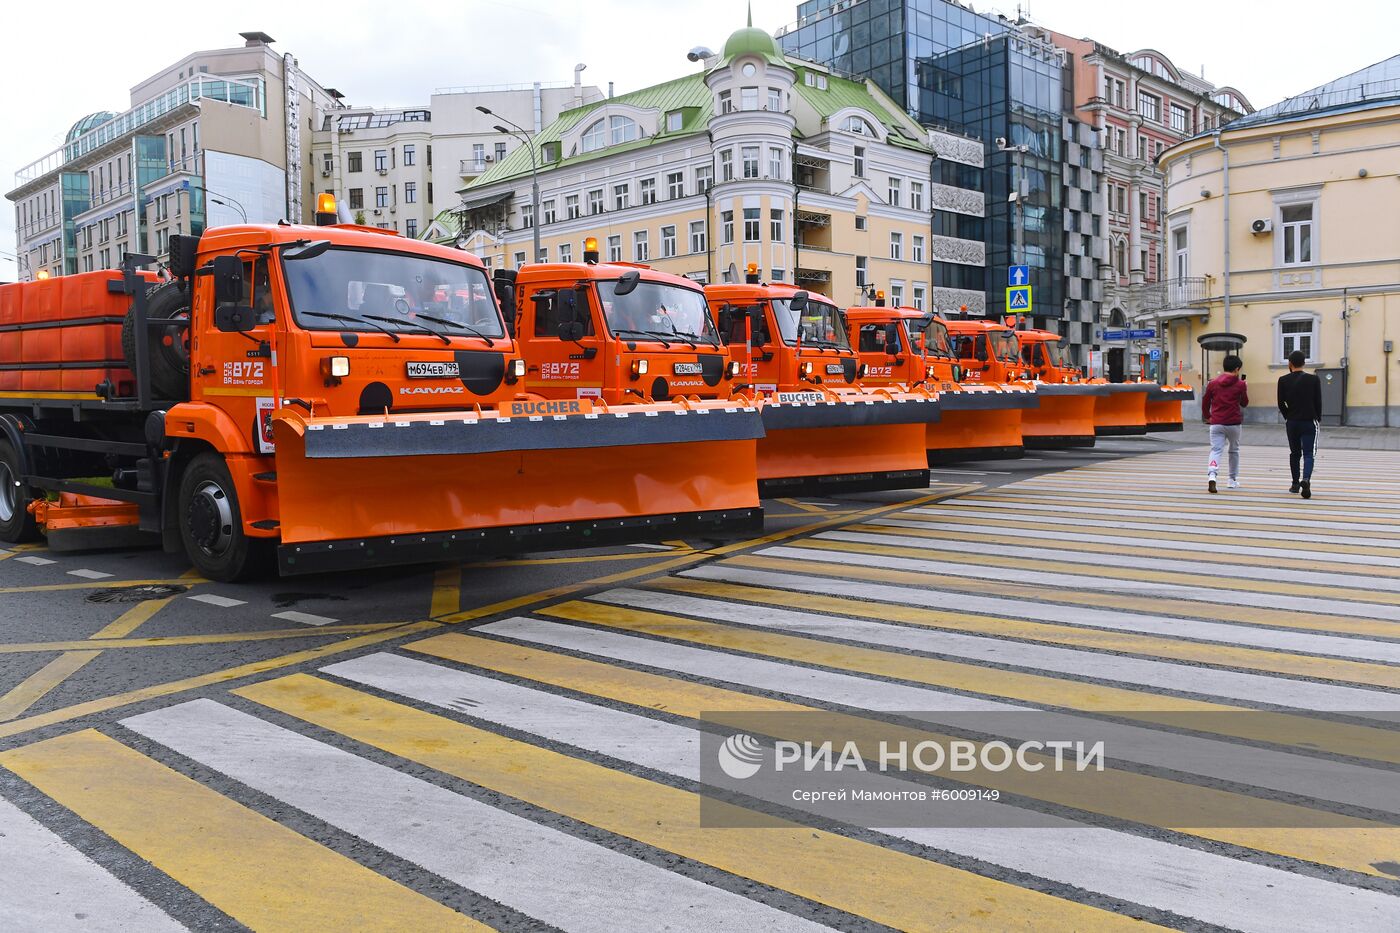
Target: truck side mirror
{"type": "Point", "coordinates": [892, 339]}
{"type": "Point", "coordinates": [182, 255]}
{"type": "Point", "coordinates": [571, 331]}
{"type": "Point", "coordinates": [231, 315]}
{"type": "Point", "coordinates": [726, 323]}
{"type": "Point", "coordinates": [627, 282]}
{"type": "Point", "coordinates": [798, 302]}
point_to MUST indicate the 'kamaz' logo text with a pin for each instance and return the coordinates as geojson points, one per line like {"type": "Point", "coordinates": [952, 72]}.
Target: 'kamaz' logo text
{"type": "Point", "coordinates": [430, 390]}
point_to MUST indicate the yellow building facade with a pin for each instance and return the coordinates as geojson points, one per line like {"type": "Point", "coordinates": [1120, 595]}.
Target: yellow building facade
{"type": "Point", "coordinates": [1284, 228]}
{"type": "Point", "coordinates": [755, 159]}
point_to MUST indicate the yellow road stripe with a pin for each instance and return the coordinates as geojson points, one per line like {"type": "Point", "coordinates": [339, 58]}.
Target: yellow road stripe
{"type": "Point", "coordinates": [90, 585]}
{"type": "Point", "coordinates": [1160, 549]}
{"type": "Point", "coordinates": [584, 558]}
{"type": "Point", "coordinates": [1173, 577]}
{"type": "Point", "coordinates": [447, 591]}
{"type": "Point", "coordinates": [1212, 612]}
{"type": "Point", "coordinates": [1206, 534]}
{"type": "Point", "coordinates": [883, 885]}
{"type": "Point", "coordinates": [802, 505]}
{"type": "Point", "coordinates": [1042, 689]}
{"type": "Point", "coordinates": [182, 641]}
{"type": "Point", "coordinates": [1283, 829]}
{"type": "Point", "coordinates": [253, 869]}
{"type": "Point", "coordinates": [1212, 654]}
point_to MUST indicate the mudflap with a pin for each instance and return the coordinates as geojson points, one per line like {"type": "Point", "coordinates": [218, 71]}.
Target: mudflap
{"type": "Point", "coordinates": [1122, 411]}
{"type": "Point", "coordinates": [1064, 419]}
{"type": "Point", "coordinates": [375, 491]}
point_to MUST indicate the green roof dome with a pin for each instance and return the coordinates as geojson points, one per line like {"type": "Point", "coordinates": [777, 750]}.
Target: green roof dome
{"type": "Point", "coordinates": [752, 41]}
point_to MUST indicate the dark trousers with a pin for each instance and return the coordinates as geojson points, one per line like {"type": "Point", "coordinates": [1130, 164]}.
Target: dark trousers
{"type": "Point", "coordinates": [1302, 445]}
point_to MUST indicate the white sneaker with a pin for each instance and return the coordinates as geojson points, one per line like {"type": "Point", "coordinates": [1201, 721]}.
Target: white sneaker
{"type": "Point", "coordinates": [1233, 484]}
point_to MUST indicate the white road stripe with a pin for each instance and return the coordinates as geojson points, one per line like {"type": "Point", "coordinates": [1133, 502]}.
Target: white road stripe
{"type": "Point", "coordinates": [1055, 485]}
{"type": "Point", "coordinates": [1209, 887]}
{"type": "Point", "coordinates": [51, 886]}
{"type": "Point", "coordinates": [89, 574]}
{"type": "Point", "coordinates": [1206, 542]}
{"type": "Point", "coordinates": [1165, 675]}
{"type": "Point", "coordinates": [1129, 562]}
{"type": "Point", "coordinates": [1176, 627]}
{"type": "Point", "coordinates": [223, 602]}
{"type": "Point", "coordinates": [34, 561]}
{"type": "Point", "coordinates": [543, 872]}
{"type": "Point", "coordinates": [1223, 506]}
{"type": "Point", "coordinates": [305, 618]}
{"type": "Point", "coordinates": [1212, 595]}
{"type": "Point", "coordinates": [1222, 519]}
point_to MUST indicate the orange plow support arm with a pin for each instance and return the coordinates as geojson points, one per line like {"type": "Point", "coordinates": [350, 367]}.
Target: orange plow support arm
{"type": "Point", "coordinates": [375, 491]}
{"type": "Point", "coordinates": [1065, 417]}
{"type": "Point", "coordinates": [827, 443]}
{"type": "Point", "coordinates": [980, 422]}
{"type": "Point", "coordinates": [1164, 407]}
{"type": "Point", "coordinates": [1123, 411]}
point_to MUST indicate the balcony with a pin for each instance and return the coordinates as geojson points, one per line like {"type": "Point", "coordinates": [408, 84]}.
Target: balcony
{"type": "Point", "coordinates": [1175, 297]}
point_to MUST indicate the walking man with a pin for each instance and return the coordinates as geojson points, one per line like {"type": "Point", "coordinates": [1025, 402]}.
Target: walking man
{"type": "Point", "coordinates": [1300, 403]}
{"type": "Point", "coordinates": [1222, 407]}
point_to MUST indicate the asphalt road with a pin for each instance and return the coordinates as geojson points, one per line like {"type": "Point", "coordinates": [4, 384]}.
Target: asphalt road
{"type": "Point", "coordinates": [517, 743]}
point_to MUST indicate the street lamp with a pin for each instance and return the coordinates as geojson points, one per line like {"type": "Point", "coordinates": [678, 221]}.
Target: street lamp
{"type": "Point", "coordinates": [1017, 197]}
{"type": "Point", "coordinates": [520, 133]}
{"type": "Point", "coordinates": [226, 201]}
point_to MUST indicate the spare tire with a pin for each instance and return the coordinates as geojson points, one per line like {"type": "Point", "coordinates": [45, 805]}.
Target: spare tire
{"type": "Point", "coordinates": [168, 350]}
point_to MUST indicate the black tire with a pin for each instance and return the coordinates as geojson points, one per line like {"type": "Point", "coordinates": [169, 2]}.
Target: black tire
{"type": "Point", "coordinates": [211, 524]}
{"type": "Point", "coordinates": [16, 524]}
{"type": "Point", "coordinates": [168, 350]}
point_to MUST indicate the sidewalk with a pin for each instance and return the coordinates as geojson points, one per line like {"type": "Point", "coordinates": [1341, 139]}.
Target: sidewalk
{"type": "Point", "coordinates": [1272, 435]}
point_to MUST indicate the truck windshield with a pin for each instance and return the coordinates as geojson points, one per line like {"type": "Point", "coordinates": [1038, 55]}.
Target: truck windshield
{"type": "Point", "coordinates": [1006, 347]}
{"type": "Point", "coordinates": [935, 337]}
{"type": "Point", "coordinates": [821, 324]}
{"type": "Point", "coordinates": [365, 289]}
{"type": "Point", "coordinates": [656, 309]}
{"type": "Point", "coordinates": [1055, 353]}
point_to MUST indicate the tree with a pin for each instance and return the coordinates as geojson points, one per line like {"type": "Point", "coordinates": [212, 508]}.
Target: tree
{"type": "Point", "coordinates": [360, 218]}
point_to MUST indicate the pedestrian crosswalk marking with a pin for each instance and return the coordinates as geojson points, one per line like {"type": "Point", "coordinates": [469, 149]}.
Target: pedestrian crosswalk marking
{"type": "Point", "coordinates": [253, 869]}
{"type": "Point", "coordinates": [880, 884]}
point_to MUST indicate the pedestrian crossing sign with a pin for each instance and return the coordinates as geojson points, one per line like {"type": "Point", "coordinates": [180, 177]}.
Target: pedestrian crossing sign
{"type": "Point", "coordinates": [1018, 298]}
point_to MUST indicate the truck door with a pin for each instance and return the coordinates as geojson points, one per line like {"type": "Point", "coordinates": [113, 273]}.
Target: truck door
{"type": "Point", "coordinates": [235, 371]}
{"type": "Point", "coordinates": [558, 367]}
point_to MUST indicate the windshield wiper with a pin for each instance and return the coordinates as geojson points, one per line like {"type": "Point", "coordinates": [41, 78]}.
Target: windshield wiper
{"type": "Point", "coordinates": [646, 333]}
{"type": "Point", "coordinates": [424, 328]}
{"type": "Point", "coordinates": [353, 320]}
{"type": "Point", "coordinates": [460, 326]}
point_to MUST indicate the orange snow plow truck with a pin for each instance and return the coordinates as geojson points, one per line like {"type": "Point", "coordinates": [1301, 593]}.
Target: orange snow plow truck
{"type": "Point", "coordinates": [1067, 401]}
{"type": "Point", "coordinates": [333, 397]}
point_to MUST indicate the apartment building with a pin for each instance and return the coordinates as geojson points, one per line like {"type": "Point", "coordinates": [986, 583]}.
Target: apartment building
{"type": "Point", "coordinates": [757, 158]}
{"type": "Point", "coordinates": [218, 137]}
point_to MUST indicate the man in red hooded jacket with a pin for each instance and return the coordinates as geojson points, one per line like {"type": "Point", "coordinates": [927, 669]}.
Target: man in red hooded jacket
{"type": "Point", "coordinates": [1222, 407]}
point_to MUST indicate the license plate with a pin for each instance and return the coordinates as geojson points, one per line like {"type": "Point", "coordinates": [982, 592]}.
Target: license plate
{"type": "Point", "coordinates": [434, 370]}
{"type": "Point", "coordinates": [689, 369]}
{"type": "Point", "coordinates": [835, 369]}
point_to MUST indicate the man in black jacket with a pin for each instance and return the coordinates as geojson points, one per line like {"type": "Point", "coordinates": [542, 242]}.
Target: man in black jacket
{"type": "Point", "coordinates": [1300, 403]}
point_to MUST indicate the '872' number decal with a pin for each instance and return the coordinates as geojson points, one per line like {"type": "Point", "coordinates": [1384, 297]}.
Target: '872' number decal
{"type": "Point", "coordinates": [243, 372]}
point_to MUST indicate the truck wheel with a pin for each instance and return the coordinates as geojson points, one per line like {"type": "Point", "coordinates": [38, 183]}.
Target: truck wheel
{"type": "Point", "coordinates": [16, 524]}
{"type": "Point", "coordinates": [168, 350]}
{"type": "Point", "coordinates": [211, 524]}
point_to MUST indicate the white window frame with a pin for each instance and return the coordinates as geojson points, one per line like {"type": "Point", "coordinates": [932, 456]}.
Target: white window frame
{"type": "Point", "coordinates": [697, 236]}
{"type": "Point", "coordinates": [1282, 347]}
{"type": "Point", "coordinates": [1308, 197]}
{"type": "Point", "coordinates": [1181, 255]}
{"type": "Point", "coordinates": [615, 248]}
{"type": "Point", "coordinates": [916, 248]}
{"type": "Point", "coordinates": [668, 241]}
{"type": "Point", "coordinates": [641, 246]}
{"type": "Point", "coordinates": [897, 246]}
{"type": "Point", "coordinates": [895, 192]}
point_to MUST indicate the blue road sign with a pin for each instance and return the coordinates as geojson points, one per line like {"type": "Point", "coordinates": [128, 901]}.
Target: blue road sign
{"type": "Point", "coordinates": [1115, 335]}
{"type": "Point", "coordinates": [1018, 275]}
{"type": "Point", "coordinates": [1145, 334]}
{"type": "Point", "coordinates": [1155, 354]}
{"type": "Point", "coordinates": [1018, 298]}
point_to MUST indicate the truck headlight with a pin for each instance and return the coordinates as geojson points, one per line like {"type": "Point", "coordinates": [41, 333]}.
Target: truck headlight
{"type": "Point", "coordinates": [639, 368]}
{"type": "Point", "coordinates": [335, 367]}
{"type": "Point", "coordinates": [733, 369]}
{"type": "Point", "coordinates": [806, 369]}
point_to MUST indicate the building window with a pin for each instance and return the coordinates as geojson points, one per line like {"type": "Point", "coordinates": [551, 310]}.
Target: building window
{"type": "Point", "coordinates": [571, 209]}
{"type": "Point", "coordinates": [917, 248]}
{"type": "Point", "coordinates": [566, 252]}
{"type": "Point", "coordinates": [748, 98]}
{"type": "Point", "coordinates": [894, 195]}
{"type": "Point", "coordinates": [726, 103]}
{"type": "Point", "coordinates": [704, 178]}
{"type": "Point", "coordinates": [478, 154]}
{"type": "Point", "coordinates": [1148, 106]}
{"type": "Point", "coordinates": [815, 79]}
{"type": "Point", "coordinates": [357, 199]}
{"type": "Point", "coordinates": [697, 236]}
{"type": "Point", "coordinates": [410, 192]}
{"type": "Point", "coordinates": [527, 215]}
{"type": "Point", "coordinates": [641, 249]}
{"type": "Point", "coordinates": [916, 195]}
{"type": "Point", "coordinates": [381, 196]}
{"type": "Point", "coordinates": [1181, 118]}
{"type": "Point", "coordinates": [1296, 332]}
{"type": "Point", "coordinates": [622, 195]}
{"type": "Point", "coordinates": [919, 297]}
{"type": "Point", "coordinates": [668, 242]}
{"type": "Point", "coordinates": [750, 158]}
{"type": "Point", "coordinates": [674, 121]}
{"type": "Point", "coordinates": [354, 161]}
{"type": "Point", "coordinates": [896, 246]}
{"type": "Point", "coordinates": [595, 201]}
{"type": "Point", "coordinates": [896, 294]}
{"type": "Point", "coordinates": [548, 212]}
{"type": "Point", "coordinates": [1117, 92]}
{"type": "Point", "coordinates": [726, 165]}
{"type": "Point", "coordinates": [1296, 233]}
{"type": "Point", "coordinates": [726, 227]}
{"type": "Point", "coordinates": [860, 223]}
{"type": "Point", "coordinates": [542, 255]}
{"type": "Point", "coordinates": [327, 163]}
{"type": "Point", "coordinates": [775, 100]}
{"type": "Point", "coordinates": [381, 160]}
{"type": "Point", "coordinates": [860, 272]}
{"type": "Point", "coordinates": [675, 185]}
{"type": "Point", "coordinates": [648, 191]}
{"type": "Point", "coordinates": [1142, 206]}
{"type": "Point", "coordinates": [410, 227]}
{"type": "Point", "coordinates": [751, 225]}
{"type": "Point", "coordinates": [410, 155]}
{"type": "Point", "coordinates": [775, 225]}
{"type": "Point", "coordinates": [859, 167]}
{"type": "Point", "coordinates": [519, 259]}
{"type": "Point", "coordinates": [1120, 259]}
{"type": "Point", "coordinates": [775, 164]}
{"type": "Point", "coordinates": [615, 248]}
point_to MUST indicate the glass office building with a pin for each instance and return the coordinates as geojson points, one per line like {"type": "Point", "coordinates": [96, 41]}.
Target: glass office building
{"type": "Point", "coordinates": [949, 66]}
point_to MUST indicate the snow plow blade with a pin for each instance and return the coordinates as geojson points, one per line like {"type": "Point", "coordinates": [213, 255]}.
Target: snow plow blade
{"type": "Point", "coordinates": [1065, 417]}
{"type": "Point", "coordinates": [819, 443]}
{"type": "Point", "coordinates": [1122, 411]}
{"type": "Point", "coordinates": [1164, 407]}
{"type": "Point", "coordinates": [400, 489]}
{"type": "Point", "coordinates": [979, 423]}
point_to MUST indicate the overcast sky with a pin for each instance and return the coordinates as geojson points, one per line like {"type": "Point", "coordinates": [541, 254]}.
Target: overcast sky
{"type": "Point", "coordinates": [61, 62]}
